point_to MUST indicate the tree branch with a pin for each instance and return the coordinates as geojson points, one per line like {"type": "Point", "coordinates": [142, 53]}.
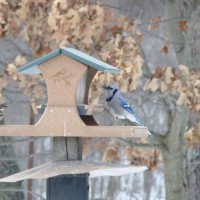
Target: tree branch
{"type": "Point", "coordinates": [140, 145]}
{"type": "Point", "coordinates": [159, 37]}
{"type": "Point", "coordinates": [20, 49]}
{"type": "Point", "coordinates": [21, 190]}
{"type": "Point", "coordinates": [164, 21]}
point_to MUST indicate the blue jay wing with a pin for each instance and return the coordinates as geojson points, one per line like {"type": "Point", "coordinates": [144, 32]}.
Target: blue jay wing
{"type": "Point", "coordinates": [124, 105]}
{"type": "Point", "coordinates": [128, 108]}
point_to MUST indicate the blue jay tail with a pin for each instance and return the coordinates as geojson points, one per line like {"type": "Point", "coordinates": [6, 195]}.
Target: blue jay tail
{"type": "Point", "coordinates": [139, 124]}
{"type": "Point", "coordinates": [149, 133]}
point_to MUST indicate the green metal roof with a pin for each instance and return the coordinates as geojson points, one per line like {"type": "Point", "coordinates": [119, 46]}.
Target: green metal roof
{"type": "Point", "coordinates": [32, 67]}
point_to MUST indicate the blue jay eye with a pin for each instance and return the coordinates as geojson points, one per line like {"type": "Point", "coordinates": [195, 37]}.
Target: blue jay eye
{"type": "Point", "coordinates": [110, 88]}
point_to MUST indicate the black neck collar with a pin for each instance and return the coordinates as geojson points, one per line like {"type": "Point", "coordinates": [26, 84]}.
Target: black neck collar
{"type": "Point", "coordinates": [110, 98]}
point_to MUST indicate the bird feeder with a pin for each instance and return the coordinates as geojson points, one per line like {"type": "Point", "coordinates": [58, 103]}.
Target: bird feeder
{"type": "Point", "coordinates": [68, 74]}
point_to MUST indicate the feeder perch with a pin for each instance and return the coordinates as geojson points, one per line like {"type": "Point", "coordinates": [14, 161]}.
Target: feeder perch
{"type": "Point", "coordinates": [68, 74]}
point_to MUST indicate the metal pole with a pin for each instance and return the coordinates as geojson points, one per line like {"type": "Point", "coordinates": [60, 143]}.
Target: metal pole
{"type": "Point", "coordinates": [68, 187]}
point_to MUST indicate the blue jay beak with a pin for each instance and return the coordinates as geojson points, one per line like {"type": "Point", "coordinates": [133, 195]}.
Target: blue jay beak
{"type": "Point", "coordinates": [104, 87]}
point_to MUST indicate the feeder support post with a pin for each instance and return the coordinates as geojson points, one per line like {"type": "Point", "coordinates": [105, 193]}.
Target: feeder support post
{"type": "Point", "coordinates": [67, 187]}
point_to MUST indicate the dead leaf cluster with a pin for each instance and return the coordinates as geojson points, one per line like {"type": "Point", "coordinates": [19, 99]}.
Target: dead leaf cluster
{"type": "Point", "coordinates": [29, 85]}
{"type": "Point", "coordinates": [91, 28]}
{"type": "Point", "coordinates": [192, 137]}
{"type": "Point", "coordinates": [179, 81]}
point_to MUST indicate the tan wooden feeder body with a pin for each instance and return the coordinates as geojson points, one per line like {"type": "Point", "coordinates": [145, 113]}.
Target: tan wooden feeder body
{"type": "Point", "coordinates": [68, 74]}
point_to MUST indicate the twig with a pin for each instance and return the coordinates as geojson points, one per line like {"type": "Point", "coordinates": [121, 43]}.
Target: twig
{"type": "Point", "coordinates": [19, 48]}
{"type": "Point", "coordinates": [25, 157]}
{"type": "Point", "coordinates": [159, 37]}
{"type": "Point", "coordinates": [164, 20]}
{"type": "Point", "coordinates": [21, 190]}
{"type": "Point", "coordinates": [146, 145]}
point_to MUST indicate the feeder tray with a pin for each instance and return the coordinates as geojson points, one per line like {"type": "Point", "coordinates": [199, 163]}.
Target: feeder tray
{"type": "Point", "coordinates": [52, 169]}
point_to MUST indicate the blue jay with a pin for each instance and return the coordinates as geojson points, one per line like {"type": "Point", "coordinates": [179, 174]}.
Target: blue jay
{"type": "Point", "coordinates": [118, 106]}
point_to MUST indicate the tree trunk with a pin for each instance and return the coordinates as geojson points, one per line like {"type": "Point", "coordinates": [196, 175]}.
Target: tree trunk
{"type": "Point", "coordinates": [183, 40]}
{"type": "Point", "coordinates": [172, 11]}
{"type": "Point", "coordinates": [184, 47]}
{"type": "Point", "coordinates": [173, 170]}
{"type": "Point", "coordinates": [173, 156]}
{"type": "Point", "coordinates": [192, 172]}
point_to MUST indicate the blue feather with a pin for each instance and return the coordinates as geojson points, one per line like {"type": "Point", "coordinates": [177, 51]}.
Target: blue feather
{"type": "Point", "coordinates": [124, 105]}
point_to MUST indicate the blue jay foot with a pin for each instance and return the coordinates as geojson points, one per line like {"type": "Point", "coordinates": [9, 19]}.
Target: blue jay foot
{"type": "Point", "coordinates": [115, 121]}
{"type": "Point", "coordinates": [125, 122]}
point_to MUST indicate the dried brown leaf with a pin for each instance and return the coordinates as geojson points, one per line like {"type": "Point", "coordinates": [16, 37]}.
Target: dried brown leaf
{"type": "Point", "coordinates": [163, 87]}
{"type": "Point", "coordinates": [20, 60]}
{"type": "Point", "coordinates": [153, 85]}
{"type": "Point", "coordinates": [11, 69]}
{"type": "Point", "coordinates": [105, 55]}
{"type": "Point", "coordinates": [111, 153]}
{"type": "Point", "coordinates": [154, 23]}
{"type": "Point", "coordinates": [182, 25]}
{"type": "Point", "coordinates": [182, 99]}
{"type": "Point", "coordinates": [168, 74]}
{"type": "Point", "coordinates": [128, 153]}
{"type": "Point", "coordinates": [184, 70]}
{"type": "Point", "coordinates": [177, 85]}
{"type": "Point", "coordinates": [165, 48]}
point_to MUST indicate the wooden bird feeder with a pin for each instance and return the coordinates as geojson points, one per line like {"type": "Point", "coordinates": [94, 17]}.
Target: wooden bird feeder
{"type": "Point", "coordinates": [68, 74]}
